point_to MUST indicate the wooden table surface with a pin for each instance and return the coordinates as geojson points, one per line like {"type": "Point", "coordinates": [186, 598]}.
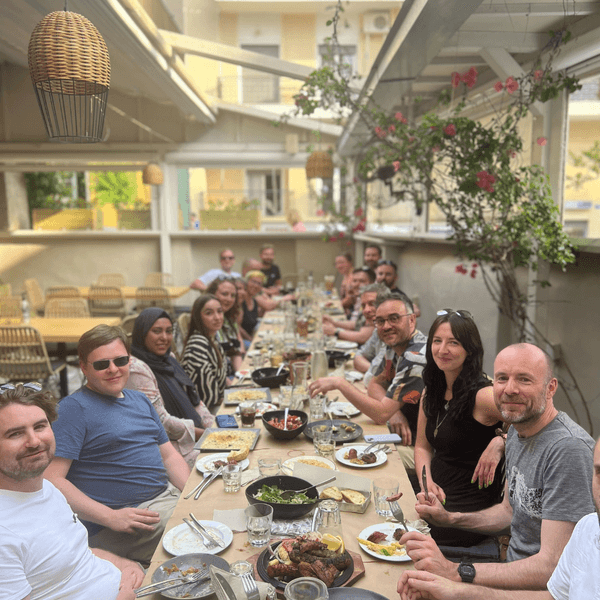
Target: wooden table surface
{"type": "Point", "coordinates": [380, 576]}
{"type": "Point", "coordinates": [175, 291]}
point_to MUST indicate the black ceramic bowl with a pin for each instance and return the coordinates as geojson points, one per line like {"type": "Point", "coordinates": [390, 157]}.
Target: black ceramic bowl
{"type": "Point", "coordinates": [266, 377]}
{"type": "Point", "coordinates": [283, 482]}
{"type": "Point", "coordinates": [333, 355]}
{"type": "Point", "coordinates": [280, 434]}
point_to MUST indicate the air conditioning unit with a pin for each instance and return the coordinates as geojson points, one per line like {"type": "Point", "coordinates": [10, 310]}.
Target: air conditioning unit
{"type": "Point", "coordinates": [376, 22]}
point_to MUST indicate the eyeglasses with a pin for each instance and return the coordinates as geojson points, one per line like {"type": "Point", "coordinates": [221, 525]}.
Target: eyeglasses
{"type": "Point", "coordinates": [465, 314]}
{"type": "Point", "coordinates": [393, 319]}
{"type": "Point", "coordinates": [36, 387]}
{"type": "Point", "coordinates": [227, 257]}
{"type": "Point", "coordinates": [102, 365]}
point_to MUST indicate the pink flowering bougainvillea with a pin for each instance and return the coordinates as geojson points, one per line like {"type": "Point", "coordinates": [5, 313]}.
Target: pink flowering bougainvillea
{"type": "Point", "coordinates": [511, 85]}
{"type": "Point", "coordinates": [450, 129]}
{"type": "Point", "coordinates": [541, 141]}
{"type": "Point", "coordinates": [499, 86]}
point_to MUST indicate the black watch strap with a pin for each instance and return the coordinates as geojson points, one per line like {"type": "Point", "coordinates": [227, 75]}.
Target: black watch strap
{"type": "Point", "coordinates": [466, 570]}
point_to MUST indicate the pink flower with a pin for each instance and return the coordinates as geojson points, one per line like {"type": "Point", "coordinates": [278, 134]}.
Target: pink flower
{"type": "Point", "coordinates": [435, 149]}
{"type": "Point", "coordinates": [512, 153]}
{"type": "Point", "coordinates": [473, 274]}
{"type": "Point", "coordinates": [541, 141]}
{"type": "Point", "coordinates": [455, 79]}
{"type": "Point", "coordinates": [537, 75]}
{"type": "Point", "coordinates": [391, 128]}
{"type": "Point", "coordinates": [485, 181]}
{"type": "Point", "coordinates": [474, 265]}
{"type": "Point", "coordinates": [450, 129]}
{"type": "Point", "coordinates": [341, 235]}
{"type": "Point", "coordinates": [355, 180]}
{"type": "Point", "coordinates": [400, 117]}
{"type": "Point", "coordinates": [320, 212]}
{"type": "Point", "coordinates": [470, 77]}
{"type": "Point", "coordinates": [458, 269]}
{"type": "Point", "coordinates": [358, 212]}
{"type": "Point", "coordinates": [379, 132]}
{"type": "Point", "coordinates": [396, 164]}
{"type": "Point", "coordinates": [499, 86]}
{"type": "Point", "coordinates": [511, 85]}
{"type": "Point", "coordinates": [333, 238]}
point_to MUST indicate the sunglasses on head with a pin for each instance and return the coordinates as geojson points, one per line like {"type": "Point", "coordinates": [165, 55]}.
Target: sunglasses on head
{"type": "Point", "coordinates": [36, 387]}
{"type": "Point", "coordinates": [389, 263]}
{"type": "Point", "coordinates": [465, 314]}
{"type": "Point", "coordinates": [101, 365]}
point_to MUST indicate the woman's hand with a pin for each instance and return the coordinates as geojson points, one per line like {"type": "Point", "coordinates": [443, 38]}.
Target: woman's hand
{"type": "Point", "coordinates": [485, 471]}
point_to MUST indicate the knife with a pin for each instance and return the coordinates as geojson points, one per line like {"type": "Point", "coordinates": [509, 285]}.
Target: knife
{"type": "Point", "coordinates": [424, 479]}
{"type": "Point", "coordinates": [225, 587]}
{"type": "Point", "coordinates": [208, 482]}
{"type": "Point", "coordinates": [213, 536]}
{"type": "Point", "coordinates": [195, 529]}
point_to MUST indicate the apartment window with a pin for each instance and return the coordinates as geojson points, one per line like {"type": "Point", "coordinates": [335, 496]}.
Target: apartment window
{"type": "Point", "coordinates": [578, 229]}
{"type": "Point", "coordinates": [265, 186]}
{"type": "Point", "coordinates": [258, 87]}
{"type": "Point", "coordinates": [344, 55]}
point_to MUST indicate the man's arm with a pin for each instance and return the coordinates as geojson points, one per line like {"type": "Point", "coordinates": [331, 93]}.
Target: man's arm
{"type": "Point", "coordinates": [197, 284]}
{"type": "Point", "coordinates": [123, 564]}
{"type": "Point", "coordinates": [361, 364]}
{"type": "Point", "coordinates": [122, 519]}
{"type": "Point", "coordinates": [178, 470]}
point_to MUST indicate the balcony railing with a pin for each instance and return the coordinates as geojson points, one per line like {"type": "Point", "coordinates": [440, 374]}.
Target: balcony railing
{"type": "Point", "coordinates": [257, 89]}
{"type": "Point", "coordinates": [271, 202]}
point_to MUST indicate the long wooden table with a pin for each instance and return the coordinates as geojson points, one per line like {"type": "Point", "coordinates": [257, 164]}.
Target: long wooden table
{"type": "Point", "coordinates": [380, 575]}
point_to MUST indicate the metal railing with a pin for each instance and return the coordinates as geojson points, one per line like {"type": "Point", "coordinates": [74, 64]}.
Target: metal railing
{"type": "Point", "coordinates": [257, 89]}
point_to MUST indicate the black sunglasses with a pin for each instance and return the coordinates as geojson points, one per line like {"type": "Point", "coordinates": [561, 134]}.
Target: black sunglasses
{"type": "Point", "coordinates": [101, 365]}
{"type": "Point", "coordinates": [465, 314]}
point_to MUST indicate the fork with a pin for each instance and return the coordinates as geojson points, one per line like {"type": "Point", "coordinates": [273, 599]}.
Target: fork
{"type": "Point", "coordinates": [398, 514]}
{"type": "Point", "coordinates": [250, 587]}
{"type": "Point", "coordinates": [171, 583]}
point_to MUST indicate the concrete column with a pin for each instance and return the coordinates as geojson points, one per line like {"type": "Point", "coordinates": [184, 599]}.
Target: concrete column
{"type": "Point", "coordinates": [168, 207]}
{"type": "Point", "coordinates": [14, 207]}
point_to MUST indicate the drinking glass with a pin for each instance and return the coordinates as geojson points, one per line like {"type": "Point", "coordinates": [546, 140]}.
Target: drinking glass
{"type": "Point", "coordinates": [306, 588]}
{"type": "Point", "coordinates": [257, 361]}
{"type": "Point", "coordinates": [259, 518]}
{"type": "Point", "coordinates": [285, 396]}
{"type": "Point", "coordinates": [317, 407]}
{"type": "Point", "coordinates": [269, 466]}
{"type": "Point", "coordinates": [247, 413]}
{"type": "Point", "coordinates": [383, 488]}
{"type": "Point", "coordinates": [340, 367]}
{"type": "Point", "coordinates": [329, 283]}
{"type": "Point", "coordinates": [232, 478]}
{"type": "Point", "coordinates": [328, 518]}
{"type": "Point", "coordinates": [323, 442]}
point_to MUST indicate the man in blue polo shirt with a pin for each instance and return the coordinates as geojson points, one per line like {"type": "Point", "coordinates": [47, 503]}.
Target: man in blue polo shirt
{"type": "Point", "coordinates": [114, 462]}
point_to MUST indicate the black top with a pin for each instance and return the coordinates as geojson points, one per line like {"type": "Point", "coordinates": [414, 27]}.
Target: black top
{"type": "Point", "coordinates": [250, 318]}
{"type": "Point", "coordinates": [273, 276]}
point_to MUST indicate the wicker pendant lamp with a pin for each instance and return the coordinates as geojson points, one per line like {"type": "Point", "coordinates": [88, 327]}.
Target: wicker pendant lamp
{"type": "Point", "coordinates": [319, 164]}
{"type": "Point", "coordinates": [152, 174]}
{"type": "Point", "coordinates": [70, 71]}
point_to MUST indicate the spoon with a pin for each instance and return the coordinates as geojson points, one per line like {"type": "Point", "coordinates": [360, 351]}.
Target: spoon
{"type": "Point", "coordinates": [290, 493]}
{"type": "Point", "coordinates": [285, 416]}
{"type": "Point", "coordinates": [280, 369]}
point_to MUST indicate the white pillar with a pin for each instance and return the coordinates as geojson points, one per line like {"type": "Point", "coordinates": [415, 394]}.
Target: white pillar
{"type": "Point", "coordinates": [167, 202]}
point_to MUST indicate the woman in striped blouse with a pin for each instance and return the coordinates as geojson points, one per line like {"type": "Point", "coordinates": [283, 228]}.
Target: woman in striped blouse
{"type": "Point", "coordinates": [203, 359]}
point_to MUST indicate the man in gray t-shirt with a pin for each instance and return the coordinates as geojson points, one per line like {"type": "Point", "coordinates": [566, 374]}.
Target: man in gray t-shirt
{"type": "Point", "coordinates": [549, 462]}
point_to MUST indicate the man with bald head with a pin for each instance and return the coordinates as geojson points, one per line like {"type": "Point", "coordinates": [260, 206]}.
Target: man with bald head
{"type": "Point", "coordinates": [548, 483]}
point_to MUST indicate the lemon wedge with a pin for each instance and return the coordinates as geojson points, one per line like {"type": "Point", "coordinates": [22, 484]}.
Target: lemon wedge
{"type": "Point", "coordinates": [333, 542]}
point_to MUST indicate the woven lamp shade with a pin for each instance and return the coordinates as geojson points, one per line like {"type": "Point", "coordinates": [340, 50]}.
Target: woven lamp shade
{"type": "Point", "coordinates": [319, 164]}
{"type": "Point", "coordinates": [152, 175]}
{"type": "Point", "coordinates": [70, 70]}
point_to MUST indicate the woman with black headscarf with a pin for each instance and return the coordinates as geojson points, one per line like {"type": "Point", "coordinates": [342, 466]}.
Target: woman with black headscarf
{"type": "Point", "coordinates": [155, 372]}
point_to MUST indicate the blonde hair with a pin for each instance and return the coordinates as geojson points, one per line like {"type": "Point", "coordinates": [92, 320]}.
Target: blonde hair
{"type": "Point", "coordinates": [257, 275]}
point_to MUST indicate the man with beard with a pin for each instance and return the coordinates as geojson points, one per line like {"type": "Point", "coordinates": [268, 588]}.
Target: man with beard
{"type": "Point", "coordinates": [372, 256]}
{"type": "Point", "coordinates": [576, 576]}
{"type": "Point", "coordinates": [44, 548]}
{"type": "Point", "coordinates": [548, 482]}
{"type": "Point", "coordinates": [270, 269]}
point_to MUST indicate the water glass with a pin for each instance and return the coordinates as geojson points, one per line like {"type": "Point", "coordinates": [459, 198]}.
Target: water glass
{"type": "Point", "coordinates": [285, 396]}
{"type": "Point", "coordinates": [259, 518]}
{"type": "Point", "coordinates": [247, 413]}
{"type": "Point", "coordinates": [269, 466]}
{"type": "Point", "coordinates": [323, 442]}
{"type": "Point", "coordinates": [317, 407]}
{"type": "Point", "coordinates": [383, 488]}
{"type": "Point", "coordinates": [340, 367]}
{"type": "Point", "coordinates": [257, 361]}
{"type": "Point", "coordinates": [306, 588]}
{"type": "Point", "coordinates": [232, 478]}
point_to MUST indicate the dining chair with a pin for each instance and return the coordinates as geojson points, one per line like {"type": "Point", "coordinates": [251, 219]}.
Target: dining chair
{"type": "Point", "coordinates": [127, 325]}
{"type": "Point", "coordinates": [106, 301]}
{"type": "Point", "coordinates": [57, 308]}
{"type": "Point", "coordinates": [10, 307]}
{"type": "Point", "coordinates": [180, 333]}
{"type": "Point", "coordinates": [23, 355]}
{"type": "Point", "coordinates": [111, 279]}
{"type": "Point", "coordinates": [5, 289]}
{"type": "Point", "coordinates": [62, 291]}
{"type": "Point", "coordinates": [158, 280]}
{"type": "Point", "coordinates": [145, 297]}
{"type": "Point", "coordinates": [35, 296]}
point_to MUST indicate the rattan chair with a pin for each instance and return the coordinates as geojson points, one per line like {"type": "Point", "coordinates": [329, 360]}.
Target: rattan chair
{"type": "Point", "coordinates": [146, 297]}
{"type": "Point", "coordinates": [35, 296]}
{"type": "Point", "coordinates": [111, 279]}
{"type": "Point", "coordinates": [127, 325]}
{"type": "Point", "coordinates": [62, 291]}
{"type": "Point", "coordinates": [180, 333]}
{"type": "Point", "coordinates": [67, 308]}
{"type": "Point", "coordinates": [5, 289]}
{"type": "Point", "coordinates": [23, 355]}
{"type": "Point", "coordinates": [10, 307]}
{"type": "Point", "coordinates": [106, 301]}
{"type": "Point", "coordinates": [159, 280]}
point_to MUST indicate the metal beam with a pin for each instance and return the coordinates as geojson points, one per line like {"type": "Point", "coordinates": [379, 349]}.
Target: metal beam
{"type": "Point", "coordinates": [517, 41]}
{"type": "Point", "coordinates": [541, 9]}
{"type": "Point", "coordinates": [235, 56]}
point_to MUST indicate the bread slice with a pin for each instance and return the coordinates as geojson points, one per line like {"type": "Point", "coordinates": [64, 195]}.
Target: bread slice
{"type": "Point", "coordinates": [353, 497]}
{"type": "Point", "coordinates": [239, 455]}
{"type": "Point", "coordinates": [331, 492]}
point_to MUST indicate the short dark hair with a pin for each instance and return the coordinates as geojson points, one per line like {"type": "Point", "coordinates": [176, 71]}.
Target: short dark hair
{"type": "Point", "coordinates": [376, 246]}
{"type": "Point", "coordinates": [402, 297]}
{"type": "Point", "coordinates": [347, 256]}
{"type": "Point", "coordinates": [101, 335]}
{"type": "Point", "coordinates": [370, 273]}
{"type": "Point", "coordinates": [266, 247]}
{"type": "Point", "coordinates": [28, 396]}
{"type": "Point", "coordinates": [389, 263]}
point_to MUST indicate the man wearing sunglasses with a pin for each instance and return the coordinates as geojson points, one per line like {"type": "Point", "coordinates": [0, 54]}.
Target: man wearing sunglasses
{"type": "Point", "coordinates": [44, 550]}
{"type": "Point", "coordinates": [227, 260]}
{"type": "Point", "coordinates": [114, 462]}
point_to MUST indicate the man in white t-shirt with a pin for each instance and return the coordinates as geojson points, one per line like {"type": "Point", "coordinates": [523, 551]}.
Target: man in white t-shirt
{"type": "Point", "coordinates": [227, 259]}
{"type": "Point", "coordinates": [44, 550]}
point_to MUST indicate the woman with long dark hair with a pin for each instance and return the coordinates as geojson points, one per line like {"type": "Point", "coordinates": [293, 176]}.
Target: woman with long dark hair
{"type": "Point", "coordinates": [154, 371]}
{"type": "Point", "coordinates": [456, 434]}
{"type": "Point", "coordinates": [203, 360]}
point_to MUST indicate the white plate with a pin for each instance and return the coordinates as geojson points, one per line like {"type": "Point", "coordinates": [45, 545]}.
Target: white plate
{"type": "Point", "coordinates": [339, 456]}
{"type": "Point", "coordinates": [287, 467]}
{"type": "Point", "coordinates": [272, 320]}
{"type": "Point", "coordinates": [345, 345]}
{"type": "Point", "coordinates": [353, 375]}
{"type": "Point", "coordinates": [388, 528]}
{"type": "Point", "coordinates": [261, 408]}
{"type": "Point", "coordinates": [204, 463]}
{"type": "Point", "coordinates": [182, 540]}
{"type": "Point", "coordinates": [344, 409]}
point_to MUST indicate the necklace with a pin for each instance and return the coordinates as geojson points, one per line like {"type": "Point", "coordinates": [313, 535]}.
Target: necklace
{"type": "Point", "coordinates": [437, 420]}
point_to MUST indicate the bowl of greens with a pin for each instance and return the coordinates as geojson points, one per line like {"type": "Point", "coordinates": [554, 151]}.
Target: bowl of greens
{"type": "Point", "coordinates": [268, 491]}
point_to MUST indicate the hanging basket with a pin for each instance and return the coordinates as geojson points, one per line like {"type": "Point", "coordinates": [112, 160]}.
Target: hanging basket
{"type": "Point", "coordinates": [70, 70]}
{"type": "Point", "coordinates": [319, 164]}
{"type": "Point", "coordinates": [152, 174]}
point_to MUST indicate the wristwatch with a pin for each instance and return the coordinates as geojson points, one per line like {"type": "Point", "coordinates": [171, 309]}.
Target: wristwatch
{"type": "Point", "coordinates": [337, 332]}
{"type": "Point", "coordinates": [466, 570]}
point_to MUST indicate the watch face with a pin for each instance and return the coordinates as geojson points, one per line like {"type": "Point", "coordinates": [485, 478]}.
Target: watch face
{"type": "Point", "coordinates": [466, 572]}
